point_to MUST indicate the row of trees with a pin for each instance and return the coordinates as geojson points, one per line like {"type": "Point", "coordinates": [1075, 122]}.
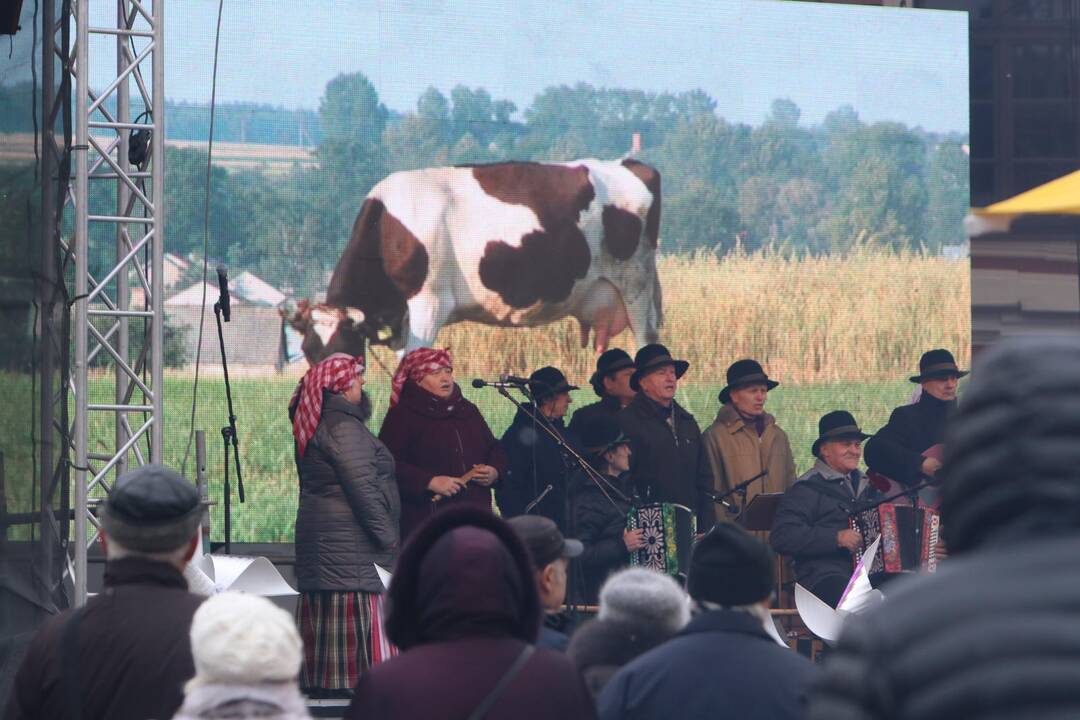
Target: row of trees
{"type": "Point", "coordinates": [813, 189]}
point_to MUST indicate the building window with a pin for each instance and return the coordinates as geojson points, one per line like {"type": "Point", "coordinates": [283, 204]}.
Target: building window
{"type": "Point", "coordinates": [1044, 129]}
{"type": "Point", "coordinates": [1041, 70]}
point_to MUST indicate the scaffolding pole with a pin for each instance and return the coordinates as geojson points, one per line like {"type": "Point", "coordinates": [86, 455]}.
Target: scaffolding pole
{"type": "Point", "coordinates": [118, 340]}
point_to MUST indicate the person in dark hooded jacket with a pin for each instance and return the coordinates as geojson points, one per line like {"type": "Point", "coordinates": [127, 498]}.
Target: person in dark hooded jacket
{"type": "Point", "coordinates": [991, 634]}
{"type": "Point", "coordinates": [444, 451]}
{"type": "Point", "coordinates": [463, 609]}
{"type": "Point", "coordinates": [535, 458]}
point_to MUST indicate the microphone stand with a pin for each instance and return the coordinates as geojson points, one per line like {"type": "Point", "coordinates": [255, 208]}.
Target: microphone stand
{"type": "Point", "coordinates": [740, 490]}
{"type": "Point", "coordinates": [911, 493]}
{"type": "Point", "coordinates": [228, 436]}
{"type": "Point", "coordinates": [570, 455]}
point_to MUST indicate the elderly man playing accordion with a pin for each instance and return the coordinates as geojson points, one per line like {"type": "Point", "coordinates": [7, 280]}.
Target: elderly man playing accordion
{"type": "Point", "coordinates": [811, 524]}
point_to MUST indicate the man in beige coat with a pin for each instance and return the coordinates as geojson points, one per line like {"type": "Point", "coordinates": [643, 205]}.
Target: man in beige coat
{"type": "Point", "coordinates": [744, 440]}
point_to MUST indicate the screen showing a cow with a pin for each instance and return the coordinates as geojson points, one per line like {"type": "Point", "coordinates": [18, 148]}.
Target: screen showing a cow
{"type": "Point", "coordinates": [530, 184]}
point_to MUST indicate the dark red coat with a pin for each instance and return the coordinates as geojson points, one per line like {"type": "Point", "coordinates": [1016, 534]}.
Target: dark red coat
{"type": "Point", "coordinates": [430, 436]}
{"type": "Point", "coordinates": [461, 607]}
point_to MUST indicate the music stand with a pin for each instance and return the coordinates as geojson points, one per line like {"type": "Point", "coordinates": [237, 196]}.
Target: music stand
{"type": "Point", "coordinates": [759, 512]}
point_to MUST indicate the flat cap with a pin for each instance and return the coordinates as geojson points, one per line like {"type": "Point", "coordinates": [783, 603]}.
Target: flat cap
{"type": "Point", "coordinates": [152, 495]}
{"type": "Point", "coordinates": [151, 509]}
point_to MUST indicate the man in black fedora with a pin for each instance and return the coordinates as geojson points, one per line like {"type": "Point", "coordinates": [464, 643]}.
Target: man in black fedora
{"type": "Point", "coordinates": [535, 458]}
{"type": "Point", "coordinates": [668, 463]}
{"type": "Point", "coordinates": [811, 525]}
{"type": "Point", "coordinates": [611, 382]}
{"type": "Point", "coordinates": [744, 440]}
{"type": "Point", "coordinates": [896, 450]}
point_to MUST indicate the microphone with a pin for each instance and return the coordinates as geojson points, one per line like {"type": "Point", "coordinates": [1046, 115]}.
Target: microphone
{"type": "Point", "coordinates": [223, 298]}
{"type": "Point", "coordinates": [537, 499]}
{"type": "Point", "coordinates": [504, 381]}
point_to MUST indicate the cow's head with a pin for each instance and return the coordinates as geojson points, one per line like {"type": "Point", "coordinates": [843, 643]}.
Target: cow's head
{"type": "Point", "coordinates": [328, 330]}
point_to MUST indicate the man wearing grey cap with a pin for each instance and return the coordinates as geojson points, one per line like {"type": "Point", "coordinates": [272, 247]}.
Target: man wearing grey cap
{"type": "Point", "coordinates": [550, 553]}
{"type": "Point", "coordinates": [126, 653]}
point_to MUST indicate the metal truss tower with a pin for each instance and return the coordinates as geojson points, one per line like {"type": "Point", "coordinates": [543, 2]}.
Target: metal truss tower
{"type": "Point", "coordinates": [117, 246]}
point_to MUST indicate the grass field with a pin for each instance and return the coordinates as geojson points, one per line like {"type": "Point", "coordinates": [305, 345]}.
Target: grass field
{"type": "Point", "coordinates": [837, 332]}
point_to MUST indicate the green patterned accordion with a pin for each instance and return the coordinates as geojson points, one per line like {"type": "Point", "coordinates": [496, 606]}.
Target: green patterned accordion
{"type": "Point", "coordinates": [669, 531]}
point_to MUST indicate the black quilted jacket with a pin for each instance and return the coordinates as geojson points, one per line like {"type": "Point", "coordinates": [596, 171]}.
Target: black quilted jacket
{"type": "Point", "coordinates": [349, 507]}
{"type": "Point", "coordinates": [993, 635]}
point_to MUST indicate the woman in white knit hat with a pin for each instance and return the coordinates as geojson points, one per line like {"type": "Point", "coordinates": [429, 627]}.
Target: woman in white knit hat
{"type": "Point", "coordinates": [247, 660]}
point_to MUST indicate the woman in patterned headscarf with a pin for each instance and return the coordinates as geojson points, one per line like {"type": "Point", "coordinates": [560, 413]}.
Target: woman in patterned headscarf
{"type": "Point", "coordinates": [445, 452]}
{"type": "Point", "coordinates": [346, 523]}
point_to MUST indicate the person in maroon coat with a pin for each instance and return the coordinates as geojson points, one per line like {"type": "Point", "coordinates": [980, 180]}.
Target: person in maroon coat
{"type": "Point", "coordinates": [464, 611]}
{"type": "Point", "coordinates": [443, 447]}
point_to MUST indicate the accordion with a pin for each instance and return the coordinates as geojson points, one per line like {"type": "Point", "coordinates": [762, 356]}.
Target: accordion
{"type": "Point", "coordinates": [909, 537]}
{"type": "Point", "coordinates": [669, 531]}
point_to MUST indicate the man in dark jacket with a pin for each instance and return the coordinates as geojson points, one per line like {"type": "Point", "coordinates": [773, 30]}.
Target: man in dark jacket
{"type": "Point", "coordinates": [724, 663]}
{"type": "Point", "coordinates": [550, 553]}
{"type": "Point", "coordinates": [463, 610]}
{"type": "Point", "coordinates": [668, 462]}
{"type": "Point", "coordinates": [811, 524]}
{"type": "Point", "coordinates": [534, 457]}
{"type": "Point", "coordinates": [126, 653]}
{"type": "Point", "coordinates": [896, 451]}
{"type": "Point", "coordinates": [990, 635]}
{"type": "Point", "coordinates": [611, 382]}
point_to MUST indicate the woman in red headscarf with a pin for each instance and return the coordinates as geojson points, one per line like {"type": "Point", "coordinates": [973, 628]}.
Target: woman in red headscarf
{"type": "Point", "coordinates": [445, 452]}
{"type": "Point", "coordinates": [346, 524]}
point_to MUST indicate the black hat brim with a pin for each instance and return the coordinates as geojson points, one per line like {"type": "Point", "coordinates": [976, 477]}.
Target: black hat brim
{"type": "Point", "coordinates": [681, 366]}
{"type": "Point", "coordinates": [725, 394]}
{"type": "Point", "coordinates": [939, 374]}
{"type": "Point", "coordinates": [842, 436]}
{"type": "Point", "coordinates": [620, 364]}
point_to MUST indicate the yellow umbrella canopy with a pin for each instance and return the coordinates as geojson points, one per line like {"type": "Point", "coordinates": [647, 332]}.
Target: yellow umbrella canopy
{"type": "Point", "coordinates": [1057, 197]}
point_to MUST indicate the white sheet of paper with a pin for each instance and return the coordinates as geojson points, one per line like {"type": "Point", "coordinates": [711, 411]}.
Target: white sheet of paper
{"type": "Point", "coordinates": [859, 594]}
{"type": "Point", "coordinates": [254, 575]}
{"type": "Point", "coordinates": [384, 575]}
{"type": "Point", "coordinates": [817, 615]}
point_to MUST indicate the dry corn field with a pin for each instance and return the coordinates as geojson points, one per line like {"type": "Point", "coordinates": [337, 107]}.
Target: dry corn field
{"type": "Point", "coordinates": [863, 317]}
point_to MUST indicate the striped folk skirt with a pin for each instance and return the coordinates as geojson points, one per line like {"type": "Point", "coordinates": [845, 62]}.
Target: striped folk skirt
{"type": "Point", "coordinates": [343, 636]}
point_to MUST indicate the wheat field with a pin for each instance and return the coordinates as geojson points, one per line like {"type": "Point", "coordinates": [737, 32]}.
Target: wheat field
{"type": "Point", "coordinates": [862, 317]}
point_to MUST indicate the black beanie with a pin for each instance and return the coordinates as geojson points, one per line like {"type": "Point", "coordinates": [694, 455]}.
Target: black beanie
{"type": "Point", "coordinates": [730, 567]}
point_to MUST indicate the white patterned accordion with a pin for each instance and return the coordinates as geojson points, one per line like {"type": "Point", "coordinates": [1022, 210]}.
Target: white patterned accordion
{"type": "Point", "coordinates": [669, 531]}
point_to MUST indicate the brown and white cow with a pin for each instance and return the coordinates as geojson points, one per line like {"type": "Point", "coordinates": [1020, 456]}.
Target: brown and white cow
{"type": "Point", "coordinates": [515, 244]}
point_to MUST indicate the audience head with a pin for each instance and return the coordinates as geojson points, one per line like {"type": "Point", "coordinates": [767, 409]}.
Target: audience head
{"type": "Point", "coordinates": [612, 377]}
{"type": "Point", "coordinates": [839, 442]}
{"type": "Point", "coordinates": [656, 374]}
{"type": "Point", "coordinates": [641, 596]}
{"type": "Point", "coordinates": [731, 568]}
{"type": "Point", "coordinates": [608, 448]}
{"type": "Point", "coordinates": [462, 573]}
{"type": "Point", "coordinates": [152, 512]}
{"type": "Point", "coordinates": [550, 553]}
{"type": "Point", "coordinates": [747, 387]}
{"type": "Point", "coordinates": [1012, 464]}
{"type": "Point", "coordinates": [551, 392]}
{"type": "Point", "coordinates": [938, 374]}
{"type": "Point", "coordinates": [243, 639]}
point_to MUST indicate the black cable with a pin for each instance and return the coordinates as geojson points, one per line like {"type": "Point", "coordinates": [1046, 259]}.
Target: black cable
{"type": "Point", "coordinates": [206, 241]}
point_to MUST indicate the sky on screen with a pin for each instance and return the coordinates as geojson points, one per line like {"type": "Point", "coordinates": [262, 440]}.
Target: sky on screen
{"type": "Point", "coordinates": [888, 63]}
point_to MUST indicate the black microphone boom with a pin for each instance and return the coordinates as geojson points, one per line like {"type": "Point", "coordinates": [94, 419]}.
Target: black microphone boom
{"type": "Point", "coordinates": [506, 381]}
{"type": "Point", "coordinates": [223, 298]}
